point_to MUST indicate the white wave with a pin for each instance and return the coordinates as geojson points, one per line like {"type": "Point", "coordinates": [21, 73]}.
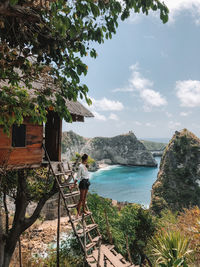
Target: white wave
{"type": "Point", "coordinates": [107, 168]}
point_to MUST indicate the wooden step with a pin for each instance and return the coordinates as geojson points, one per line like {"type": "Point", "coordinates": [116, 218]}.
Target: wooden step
{"type": "Point", "coordinates": [93, 244]}
{"type": "Point", "coordinates": [88, 228]}
{"type": "Point", "coordinates": [119, 256]}
{"type": "Point", "coordinates": [74, 219]}
{"type": "Point", "coordinates": [72, 194]}
{"type": "Point", "coordinates": [108, 264]}
{"type": "Point", "coordinates": [59, 173]}
{"type": "Point", "coordinates": [112, 258]}
{"type": "Point", "coordinates": [71, 206]}
{"type": "Point", "coordinates": [91, 259]}
{"type": "Point", "coordinates": [95, 254]}
{"type": "Point", "coordinates": [67, 185]}
{"type": "Point", "coordinates": [110, 246]}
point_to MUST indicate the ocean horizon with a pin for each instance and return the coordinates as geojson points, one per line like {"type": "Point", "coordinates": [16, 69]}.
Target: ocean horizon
{"type": "Point", "coordinates": [131, 184]}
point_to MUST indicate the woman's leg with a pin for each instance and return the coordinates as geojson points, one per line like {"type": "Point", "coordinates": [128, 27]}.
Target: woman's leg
{"type": "Point", "coordinates": [80, 203]}
{"type": "Point", "coordinates": [84, 200]}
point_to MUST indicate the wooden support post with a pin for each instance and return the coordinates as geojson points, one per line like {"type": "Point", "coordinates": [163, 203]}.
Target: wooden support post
{"type": "Point", "coordinates": [99, 253]}
{"type": "Point", "coordinates": [20, 253]}
{"type": "Point", "coordinates": [84, 238]}
{"type": "Point", "coordinates": [58, 233]}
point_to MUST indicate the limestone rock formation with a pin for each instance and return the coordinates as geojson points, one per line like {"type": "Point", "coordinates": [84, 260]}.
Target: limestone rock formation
{"type": "Point", "coordinates": [178, 182]}
{"type": "Point", "coordinates": [123, 149]}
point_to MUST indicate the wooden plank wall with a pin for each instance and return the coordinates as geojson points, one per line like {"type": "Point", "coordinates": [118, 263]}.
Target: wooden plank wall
{"type": "Point", "coordinates": [21, 157]}
{"type": "Point", "coordinates": [53, 135]}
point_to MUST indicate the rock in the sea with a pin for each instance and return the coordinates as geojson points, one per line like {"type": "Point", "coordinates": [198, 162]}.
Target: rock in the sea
{"type": "Point", "coordinates": [178, 182]}
{"type": "Point", "coordinates": [123, 149]}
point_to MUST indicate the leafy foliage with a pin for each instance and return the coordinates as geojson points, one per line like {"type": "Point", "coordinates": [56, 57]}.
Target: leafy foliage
{"type": "Point", "coordinates": [171, 249]}
{"type": "Point", "coordinates": [116, 225]}
{"type": "Point", "coordinates": [189, 224]}
{"type": "Point", "coordinates": [153, 145]}
{"type": "Point", "coordinates": [38, 183]}
{"type": "Point", "coordinates": [171, 227]}
{"type": "Point", "coordinates": [78, 157]}
{"type": "Point", "coordinates": [49, 39]}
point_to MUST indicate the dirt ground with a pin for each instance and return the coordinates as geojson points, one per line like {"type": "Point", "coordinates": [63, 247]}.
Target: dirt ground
{"type": "Point", "coordinates": [38, 239]}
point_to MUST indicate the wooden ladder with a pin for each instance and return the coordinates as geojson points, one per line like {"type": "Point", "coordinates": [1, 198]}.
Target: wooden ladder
{"type": "Point", "coordinates": [85, 228]}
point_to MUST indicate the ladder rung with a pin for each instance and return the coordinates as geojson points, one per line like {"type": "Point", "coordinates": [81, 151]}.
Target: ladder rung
{"type": "Point", "coordinates": [91, 259]}
{"type": "Point", "coordinates": [80, 217]}
{"type": "Point", "coordinates": [119, 256]}
{"type": "Point", "coordinates": [66, 185]}
{"type": "Point", "coordinates": [88, 228]}
{"type": "Point", "coordinates": [110, 246]}
{"type": "Point", "coordinates": [71, 206]}
{"type": "Point", "coordinates": [94, 243]}
{"type": "Point", "coordinates": [59, 173]}
{"type": "Point", "coordinates": [72, 194]}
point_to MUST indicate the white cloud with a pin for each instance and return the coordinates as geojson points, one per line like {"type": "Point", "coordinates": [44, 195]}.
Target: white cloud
{"type": "Point", "coordinates": [174, 125]}
{"type": "Point", "coordinates": [149, 124]}
{"type": "Point", "coordinates": [105, 104]}
{"type": "Point", "coordinates": [188, 93]}
{"type": "Point", "coordinates": [113, 117]}
{"type": "Point", "coordinates": [177, 6]}
{"type": "Point", "coordinates": [138, 83]}
{"type": "Point", "coordinates": [99, 116]}
{"type": "Point", "coordinates": [185, 114]}
{"type": "Point", "coordinates": [152, 98]}
{"type": "Point", "coordinates": [168, 114]}
{"type": "Point", "coordinates": [138, 123]}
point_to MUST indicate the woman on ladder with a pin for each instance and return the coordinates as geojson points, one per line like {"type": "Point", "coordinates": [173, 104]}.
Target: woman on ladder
{"type": "Point", "coordinates": [83, 176]}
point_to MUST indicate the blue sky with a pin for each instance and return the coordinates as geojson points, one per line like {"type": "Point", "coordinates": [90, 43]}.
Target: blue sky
{"type": "Point", "coordinates": [147, 78]}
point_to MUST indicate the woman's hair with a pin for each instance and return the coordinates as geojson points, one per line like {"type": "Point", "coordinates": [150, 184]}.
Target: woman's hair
{"type": "Point", "coordinates": [84, 157]}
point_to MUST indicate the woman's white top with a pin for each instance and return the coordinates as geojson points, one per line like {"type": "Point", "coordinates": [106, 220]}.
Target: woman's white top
{"type": "Point", "coordinates": [82, 172]}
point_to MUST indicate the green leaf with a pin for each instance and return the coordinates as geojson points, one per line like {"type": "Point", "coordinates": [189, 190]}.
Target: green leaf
{"type": "Point", "coordinates": [13, 2]}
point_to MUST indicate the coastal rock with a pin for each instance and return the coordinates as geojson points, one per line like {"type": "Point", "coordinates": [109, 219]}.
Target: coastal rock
{"type": "Point", "coordinates": [178, 182]}
{"type": "Point", "coordinates": [123, 149]}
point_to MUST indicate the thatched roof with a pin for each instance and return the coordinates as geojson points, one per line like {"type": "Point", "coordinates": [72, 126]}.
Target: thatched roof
{"type": "Point", "coordinates": [75, 108]}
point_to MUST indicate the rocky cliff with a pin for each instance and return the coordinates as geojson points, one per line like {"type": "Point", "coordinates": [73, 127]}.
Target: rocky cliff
{"type": "Point", "coordinates": [123, 149]}
{"type": "Point", "coordinates": [178, 182]}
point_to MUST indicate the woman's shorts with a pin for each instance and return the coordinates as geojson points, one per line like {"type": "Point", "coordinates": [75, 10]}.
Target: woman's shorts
{"type": "Point", "coordinates": [84, 184]}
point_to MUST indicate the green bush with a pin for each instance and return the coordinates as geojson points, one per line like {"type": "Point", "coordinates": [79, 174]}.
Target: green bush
{"type": "Point", "coordinates": [130, 226]}
{"type": "Point", "coordinates": [170, 249]}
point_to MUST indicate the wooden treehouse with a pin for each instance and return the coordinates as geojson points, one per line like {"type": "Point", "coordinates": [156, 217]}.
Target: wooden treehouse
{"type": "Point", "coordinates": [32, 145]}
{"type": "Point", "coordinates": [23, 148]}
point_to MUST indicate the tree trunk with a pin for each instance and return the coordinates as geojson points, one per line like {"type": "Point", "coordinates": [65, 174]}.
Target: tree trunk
{"type": "Point", "coordinates": [7, 259]}
{"type": "Point", "coordinates": [2, 242]}
{"type": "Point", "coordinates": [9, 241]}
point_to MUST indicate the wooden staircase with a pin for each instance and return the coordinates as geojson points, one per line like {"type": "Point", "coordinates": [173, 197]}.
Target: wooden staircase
{"type": "Point", "coordinates": [84, 227]}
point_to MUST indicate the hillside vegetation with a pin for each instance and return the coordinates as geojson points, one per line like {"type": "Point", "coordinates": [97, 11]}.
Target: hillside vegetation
{"type": "Point", "coordinates": [153, 146]}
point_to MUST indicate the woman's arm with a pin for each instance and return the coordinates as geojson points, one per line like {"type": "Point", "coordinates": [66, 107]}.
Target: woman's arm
{"type": "Point", "coordinates": [78, 176]}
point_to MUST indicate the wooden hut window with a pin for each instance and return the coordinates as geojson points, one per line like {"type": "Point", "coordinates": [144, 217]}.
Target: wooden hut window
{"type": "Point", "coordinates": [19, 135]}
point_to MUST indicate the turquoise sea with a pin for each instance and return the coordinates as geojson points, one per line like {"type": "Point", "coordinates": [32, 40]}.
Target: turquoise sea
{"type": "Point", "coordinates": [123, 183]}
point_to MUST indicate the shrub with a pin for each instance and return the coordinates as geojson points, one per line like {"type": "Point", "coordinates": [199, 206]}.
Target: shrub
{"type": "Point", "coordinates": [170, 249]}
{"type": "Point", "coordinates": [128, 228]}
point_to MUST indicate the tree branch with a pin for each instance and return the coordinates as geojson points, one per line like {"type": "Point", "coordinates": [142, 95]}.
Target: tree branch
{"type": "Point", "coordinates": [6, 211]}
{"type": "Point", "coordinates": [29, 221]}
{"type": "Point", "coordinates": [21, 200]}
{"type": "Point", "coordinates": [19, 11]}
